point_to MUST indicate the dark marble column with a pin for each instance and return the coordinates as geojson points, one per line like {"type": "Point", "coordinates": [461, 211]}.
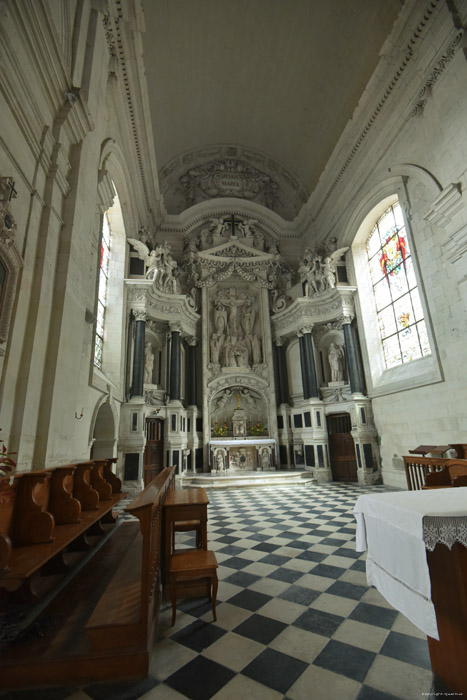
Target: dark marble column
{"type": "Point", "coordinates": [303, 367]}
{"type": "Point", "coordinates": [175, 367]}
{"type": "Point", "coordinates": [138, 354]}
{"type": "Point", "coordinates": [354, 359]}
{"type": "Point", "coordinates": [191, 372]}
{"type": "Point", "coordinates": [283, 381]}
{"type": "Point", "coordinates": [310, 364]}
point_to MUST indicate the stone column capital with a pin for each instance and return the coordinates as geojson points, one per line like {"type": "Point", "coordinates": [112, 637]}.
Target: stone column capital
{"type": "Point", "coordinates": [175, 327]}
{"type": "Point", "coordinates": [192, 341]}
{"type": "Point", "coordinates": [346, 318]}
{"type": "Point", "coordinates": [140, 314]}
{"type": "Point", "coordinates": [305, 330]}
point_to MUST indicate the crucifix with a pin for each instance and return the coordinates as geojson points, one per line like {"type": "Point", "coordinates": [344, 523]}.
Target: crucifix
{"type": "Point", "coordinates": [231, 221]}
{"type": "Point", "coordinates": [13, 192]}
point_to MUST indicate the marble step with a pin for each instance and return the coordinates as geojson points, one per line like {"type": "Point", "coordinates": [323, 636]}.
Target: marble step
{"type": "Point", "coordinates": [236, 479]}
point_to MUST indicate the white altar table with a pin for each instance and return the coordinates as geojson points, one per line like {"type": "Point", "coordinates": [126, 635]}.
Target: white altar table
{"type": "Point", "coordinates": [417, 559]}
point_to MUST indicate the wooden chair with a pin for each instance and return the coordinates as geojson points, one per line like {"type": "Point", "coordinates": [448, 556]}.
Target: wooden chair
{"type": "Point", "coordinates": [187, 526]}
{"type": "Point", "coordinates": [192, 566]}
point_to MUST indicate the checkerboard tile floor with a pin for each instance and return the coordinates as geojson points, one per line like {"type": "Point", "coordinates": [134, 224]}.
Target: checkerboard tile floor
{"type": "Point", "coordinates": [295, 617]}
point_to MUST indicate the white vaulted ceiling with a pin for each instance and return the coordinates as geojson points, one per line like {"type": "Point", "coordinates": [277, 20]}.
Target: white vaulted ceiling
{"type": "Point", "coordinates": [279, 77]}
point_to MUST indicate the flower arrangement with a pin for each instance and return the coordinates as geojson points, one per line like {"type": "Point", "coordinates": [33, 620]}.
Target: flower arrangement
{"type": "Point", "coordinates": [7, 465]}
{"type": "Point", "coordinates": [220, 430]}
{"type": "Point", "coordinates": [256, 429]}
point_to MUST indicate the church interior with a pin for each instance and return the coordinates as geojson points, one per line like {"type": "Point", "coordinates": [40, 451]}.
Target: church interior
{"type": "Point", "coordinates": [233, 246]}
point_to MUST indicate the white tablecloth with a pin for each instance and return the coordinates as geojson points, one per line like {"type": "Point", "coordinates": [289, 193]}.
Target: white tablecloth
{"type": "Point", "coordinates": [391, 527]}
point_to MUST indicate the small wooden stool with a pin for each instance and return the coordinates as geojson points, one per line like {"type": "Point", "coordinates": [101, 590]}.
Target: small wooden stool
{"type": "Point", "coordinates": [189, 566]}
{"type": "Point", "coordinates": [187, 526]}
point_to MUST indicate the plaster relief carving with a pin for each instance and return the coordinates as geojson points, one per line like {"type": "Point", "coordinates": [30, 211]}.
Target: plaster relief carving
{"type": "Point", "coordinates": [229, 178]}
{"type": "Point", "coordinates": [234, 343]}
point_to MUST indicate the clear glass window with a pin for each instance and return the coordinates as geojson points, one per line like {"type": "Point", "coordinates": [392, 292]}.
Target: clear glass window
{"type": "Point", "coordinates": [102, 292]}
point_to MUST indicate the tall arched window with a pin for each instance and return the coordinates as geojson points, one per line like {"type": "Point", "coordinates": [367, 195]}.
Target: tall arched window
{"type": "Point", "coordinates": [399, 310]}
{"type": "Point", "coordinates": [104, 262]}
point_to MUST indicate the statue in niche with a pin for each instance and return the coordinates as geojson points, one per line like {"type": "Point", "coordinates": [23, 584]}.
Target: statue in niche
{"type": "Point", "coordinates": [256, 350]}
{"type": "Point", "coordinates": [265, 458]}
{"type": "Point", "coordinates": [336, 362]}
{"type": "Point", "coordinates": [148, 363]}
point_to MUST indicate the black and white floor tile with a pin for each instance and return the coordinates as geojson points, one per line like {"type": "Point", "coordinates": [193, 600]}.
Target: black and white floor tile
{"type": "Point", "coordinates": [295, 617]}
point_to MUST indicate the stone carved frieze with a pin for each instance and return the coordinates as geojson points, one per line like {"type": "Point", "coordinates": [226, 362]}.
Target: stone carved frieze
{"type": "Point", "coordinates": [229, 178]}
{"type": "Point", "coordinates": [249, 381]}
{"type": "Point", "coordinates": [230, 246]}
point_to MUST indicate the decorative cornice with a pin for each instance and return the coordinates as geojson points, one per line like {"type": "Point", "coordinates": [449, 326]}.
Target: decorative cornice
{"type": "Point", "coordinates": [446, 206]}
{"type": "Point", "coordinates": [425, 93]}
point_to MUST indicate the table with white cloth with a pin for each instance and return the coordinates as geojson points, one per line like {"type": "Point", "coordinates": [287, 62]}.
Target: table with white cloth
{"type": "Point", "coordinates": [417, 559]}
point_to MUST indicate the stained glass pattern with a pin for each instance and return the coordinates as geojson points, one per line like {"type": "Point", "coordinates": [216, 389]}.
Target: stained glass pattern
{"type": "Point", "coordinates": [399, 310]}
{"type": "Point", "coordinates": [102, 292]}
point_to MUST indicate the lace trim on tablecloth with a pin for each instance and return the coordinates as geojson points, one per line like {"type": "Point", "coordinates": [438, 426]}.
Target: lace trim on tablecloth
{"type": "Point", "coordinates": [444, 530]}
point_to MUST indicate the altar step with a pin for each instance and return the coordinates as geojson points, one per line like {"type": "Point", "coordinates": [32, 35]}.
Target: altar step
{"type": "Point", "coordinates": [237, 479]}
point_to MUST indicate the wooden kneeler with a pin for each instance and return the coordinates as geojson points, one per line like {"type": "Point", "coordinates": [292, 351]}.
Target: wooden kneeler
{"type": "Point", "coordinates": [190, 566]}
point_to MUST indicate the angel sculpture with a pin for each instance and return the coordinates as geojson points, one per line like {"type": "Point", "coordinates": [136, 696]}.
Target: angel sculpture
{"type": "Point", "coordinates": [329, 267]}
{"type": "Point", "coordinates": [218, 227]}
{"type": "Point", "coordinates": [160, 266]}
{"type": "Point", "coordinates": [245, 227]}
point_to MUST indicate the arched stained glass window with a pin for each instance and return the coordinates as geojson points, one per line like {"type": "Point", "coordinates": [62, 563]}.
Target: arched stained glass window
{"type": "Point", "coordinates": [102, 292]}
{"type": "Point", "coordinates": [399, 310]}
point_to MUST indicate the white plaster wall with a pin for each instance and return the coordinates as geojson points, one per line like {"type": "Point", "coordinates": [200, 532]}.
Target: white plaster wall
{"type": "Point", "coordinates": [435, 141]}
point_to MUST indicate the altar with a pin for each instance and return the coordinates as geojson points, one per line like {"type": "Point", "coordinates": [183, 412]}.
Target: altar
{"type": "Point", "coordinates": [242, 454]}
{"type": "Point", "coordinates": [417, 559]}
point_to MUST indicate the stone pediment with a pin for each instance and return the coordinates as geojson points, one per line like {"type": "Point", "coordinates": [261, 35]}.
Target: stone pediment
{"type": "Point", "coordinates": [235, 249]}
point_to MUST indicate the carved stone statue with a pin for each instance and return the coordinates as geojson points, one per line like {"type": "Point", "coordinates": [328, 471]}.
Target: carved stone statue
{"type": "Point", "coordinates": [217, 341]}
{"type": "Point", "coordinates": [160, 266]}
{"type": "Point", "coordinates": [336, 362]}
{"type": "Point", "coordinates": [219, 461]}
{"type": "Point", "coordinates": [148, 363]}
{"type": "Point", "coordinates": [319, 274]}
{"type": "Point", "coordinates": [256, 350]}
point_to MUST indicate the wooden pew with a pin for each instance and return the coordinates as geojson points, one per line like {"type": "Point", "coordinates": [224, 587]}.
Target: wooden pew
{"type": "Point", "coordinates": [416, 469]}
{"type": "Point", "coordinates": [47, 515]}
{"type": "Point", "coordinates": [101, 626]}
{"type": "Point", "coordinates": [453, 474]}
